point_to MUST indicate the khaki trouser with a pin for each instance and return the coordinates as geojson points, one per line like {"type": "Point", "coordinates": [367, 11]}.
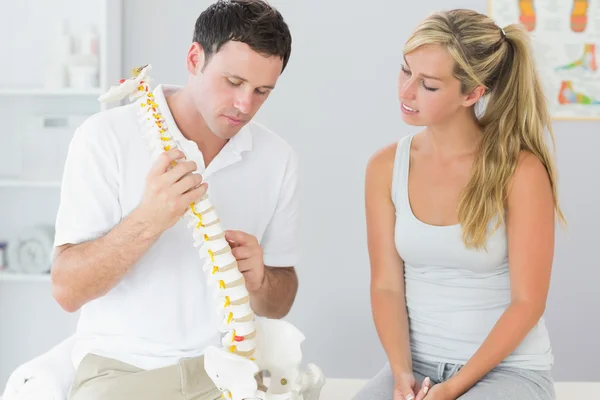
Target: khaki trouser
{"type": "Point", "coordinates": [100, 378]}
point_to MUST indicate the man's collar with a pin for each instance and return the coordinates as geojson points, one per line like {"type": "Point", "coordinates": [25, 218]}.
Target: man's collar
{"type": "Point", "coordinates": [242, 141]}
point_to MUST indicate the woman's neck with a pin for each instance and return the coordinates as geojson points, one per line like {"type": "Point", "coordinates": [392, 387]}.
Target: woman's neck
{"type": "Point", "coordinates": [460, 136]}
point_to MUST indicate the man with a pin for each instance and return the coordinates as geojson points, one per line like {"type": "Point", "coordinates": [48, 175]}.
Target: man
{"type": "Point", "coordinates": [125, 257]}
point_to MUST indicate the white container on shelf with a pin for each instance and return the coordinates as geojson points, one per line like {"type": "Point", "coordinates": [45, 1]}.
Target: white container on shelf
{"type": "Point", "coordinates": [83, 77]}
{"type": "Point", "coordinates": [89, 42]}
{"type": "Point", "coordinates": [83, 71]}
{"type": "Point", "coordinates": [59, 51]}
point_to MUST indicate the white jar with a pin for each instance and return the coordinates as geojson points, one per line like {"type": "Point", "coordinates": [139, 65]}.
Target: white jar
{"type": "Point", "coordinates": [83, 71]}
{"type": "Point", "coordinates": [89, 42]}
{"type": "Point", "coordinates": [59, 51]}
{"type": "Point", "coordinates": [83, 76]}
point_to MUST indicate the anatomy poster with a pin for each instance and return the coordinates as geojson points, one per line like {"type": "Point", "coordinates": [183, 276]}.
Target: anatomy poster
{"type": "Point", "coordinates": [566, 40]}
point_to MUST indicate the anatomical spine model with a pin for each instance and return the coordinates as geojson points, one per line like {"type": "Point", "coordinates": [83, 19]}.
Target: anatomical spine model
{"type": "Point", "coordinates": [250, 344]}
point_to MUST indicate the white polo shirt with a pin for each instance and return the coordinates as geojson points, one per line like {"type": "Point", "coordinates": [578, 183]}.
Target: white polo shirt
{"type": "Point", "coordinates": [162, 310]}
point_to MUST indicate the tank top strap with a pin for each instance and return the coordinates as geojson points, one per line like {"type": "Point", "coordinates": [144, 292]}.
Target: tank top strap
{"type": "Point", "coordinates": [400, 173]}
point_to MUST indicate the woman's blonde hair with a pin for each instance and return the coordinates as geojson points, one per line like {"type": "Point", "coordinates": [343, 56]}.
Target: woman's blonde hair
{"type": "Point", "coordinates": [515, 117]}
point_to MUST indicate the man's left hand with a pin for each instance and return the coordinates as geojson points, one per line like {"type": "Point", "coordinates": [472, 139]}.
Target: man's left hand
{"type": "Point", "coordinates": [249, 255]}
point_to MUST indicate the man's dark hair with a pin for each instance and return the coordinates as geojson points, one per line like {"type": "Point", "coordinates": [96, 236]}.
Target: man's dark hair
{"type": "Point", "coordinates": [253, 22]}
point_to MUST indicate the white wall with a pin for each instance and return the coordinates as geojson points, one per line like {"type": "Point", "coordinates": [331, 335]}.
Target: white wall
{"type": "Point", "coordinates": [336, 104]}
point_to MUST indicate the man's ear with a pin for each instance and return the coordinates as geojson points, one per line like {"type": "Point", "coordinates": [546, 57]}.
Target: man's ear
{"type": "Point", "coordinates": [195, 59]}
{"type": "Point", "coordinates": [474, 96]}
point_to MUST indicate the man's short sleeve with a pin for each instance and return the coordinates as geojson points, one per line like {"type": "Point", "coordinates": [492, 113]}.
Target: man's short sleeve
{"type": "Point", "coordinates": [89, 204]}
{"type": "Point", "coordinates": [280, 241]}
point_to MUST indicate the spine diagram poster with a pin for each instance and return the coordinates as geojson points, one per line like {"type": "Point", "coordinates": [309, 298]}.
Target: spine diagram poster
{"type": "Point", "coordinates": [566, 40]}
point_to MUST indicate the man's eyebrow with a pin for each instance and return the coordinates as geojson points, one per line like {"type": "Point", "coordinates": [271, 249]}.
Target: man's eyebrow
{"type": "Point", "coordinates": [246, 80]}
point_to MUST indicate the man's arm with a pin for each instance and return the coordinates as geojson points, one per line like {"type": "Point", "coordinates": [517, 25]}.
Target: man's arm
{"type": "Point", "coordinates": [275, 297]}
{"type": "Point", "coordinates": [272, 290]}
{"type": "Point", "coordinates": [86, 271]}
{"type": "Point", "coordinates": [269, 266]}
{"type": "Point", "coordinates": [83, 272]}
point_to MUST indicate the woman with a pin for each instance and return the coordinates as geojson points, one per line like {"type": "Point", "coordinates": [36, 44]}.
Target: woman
{"type": "Point", "coordinates": [460, 220]}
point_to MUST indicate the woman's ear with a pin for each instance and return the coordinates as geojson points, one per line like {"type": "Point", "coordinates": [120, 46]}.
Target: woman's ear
{"type": "Point", "coordinates": [474, 96]}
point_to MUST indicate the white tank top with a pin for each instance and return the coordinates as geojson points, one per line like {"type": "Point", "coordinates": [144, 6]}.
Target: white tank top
{"type": "Point", "coordinates": [455, 295]}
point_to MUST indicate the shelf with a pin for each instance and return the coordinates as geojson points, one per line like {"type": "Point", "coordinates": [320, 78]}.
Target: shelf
{"type": "Point", "coordinates": [20, 277]}
{"type": "Point", "coordinates": [49, 92]}
{"type": "Point", "coordinates": [23, 183]}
